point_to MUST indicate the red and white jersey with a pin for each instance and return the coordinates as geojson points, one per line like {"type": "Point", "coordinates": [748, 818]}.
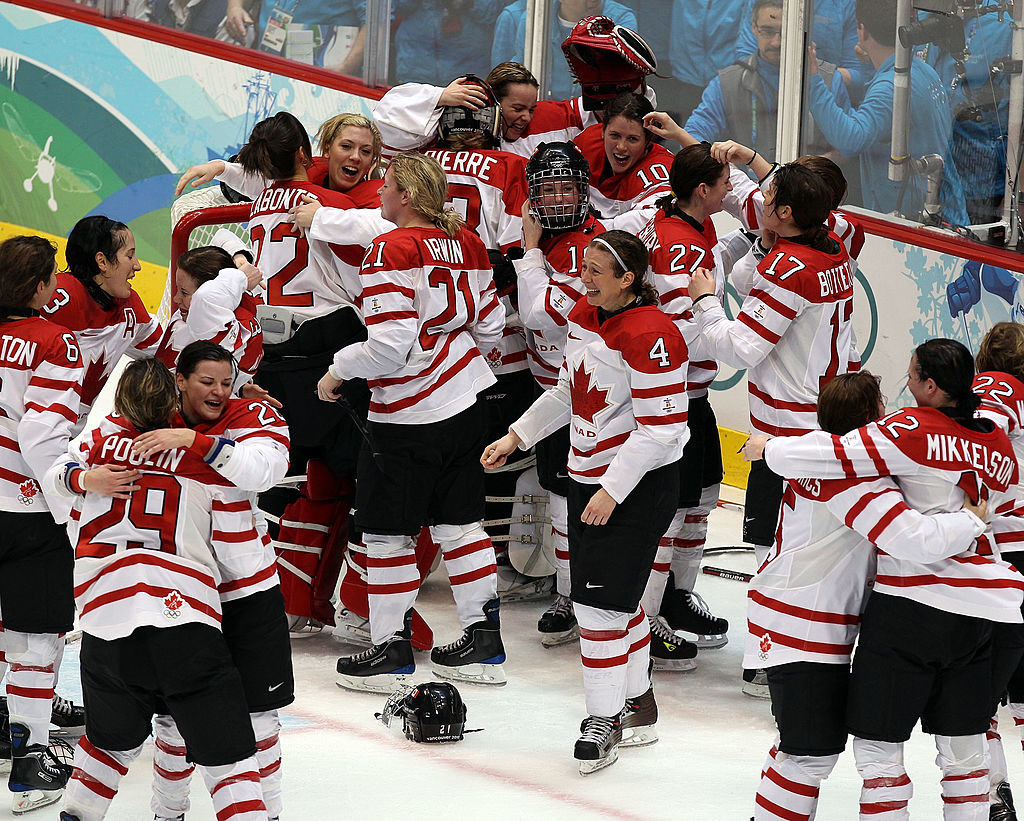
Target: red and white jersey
{"type": "Point", "coordinates": [295, 278]}
{"type": "Point", "coordinates": [793, 333]}
{"type": "Point", "coordinates": [936, 461]}
{"type": "Point", "coordinates": [640, 188]}
{"type": "Point", "coordinates": [103, 336]}
{"type": "Point", "coordinates": [510, 354]}
{"type": "Point", "coordinates": [223, 312]}
{"type": "Point", "coordinates": [678, 246]}
{"type": "Point", "coordinates": [40, 386]}
{"type": "Point", "coordinates": [430, 307]}
{"type": "Point", "coordinates": [622, 389]}
{"type": "Point", "coordinates": [549, 287]}
{"type": "Point", "coordinates": [806, 600]}
{"type": "Point", "coordinates": [1002, 401]}
{"type": "Point", "coordinates": [147, 561]}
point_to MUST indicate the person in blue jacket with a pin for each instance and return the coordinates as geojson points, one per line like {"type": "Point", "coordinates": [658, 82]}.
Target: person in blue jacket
{"type": "Point", "coordinates": [332, 16]}
{"type": "Point", "coordinates": [443, 38]}
{"type": "Point", "coordinates": [742, 102]}
{"type": "Point", "coordinates": [510, 36]}
{"type": "Point", "coordinates": [866, 130]}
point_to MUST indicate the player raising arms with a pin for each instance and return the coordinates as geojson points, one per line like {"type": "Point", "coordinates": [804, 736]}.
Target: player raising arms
{"type": "Point", "coordinates": [429, 304]}
{"type": "Point", "coordinates": [622, 388]}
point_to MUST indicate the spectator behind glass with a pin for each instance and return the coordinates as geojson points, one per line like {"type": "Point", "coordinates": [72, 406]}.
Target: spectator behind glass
{"type": "Point", "coordinates": [327, 33]}
{"type": "Point", "coordinates": [208, 18]}
{"type": "Point", "coordinates": [866, 130]}
{"type": "Point", "coordinates": [438, 39]}
{"type": "Point", "coordinates": [742, 102]}
{"type": "Point", "coordinates": [510, 35]}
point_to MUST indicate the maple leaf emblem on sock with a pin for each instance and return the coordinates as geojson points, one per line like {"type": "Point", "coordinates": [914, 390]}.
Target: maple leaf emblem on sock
{"type": "Point", "coordinates": [588, 399]}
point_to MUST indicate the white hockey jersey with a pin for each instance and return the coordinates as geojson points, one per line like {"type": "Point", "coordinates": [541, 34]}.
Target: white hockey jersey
{"type": "Point", "coordinates": [805, 602]}
{"type": "Point", "coordinates": [793, 333]}
{"type": "Point", "coordinates": [622, 389]}
{"type": "Point", "coordinates": [936, 461]}
{"type": "Point", "coordinates": [103, 336]}
{"type": "Point", "coordinates": [40, 385]}
{"type": "Point", "coordinates": [430, 307]}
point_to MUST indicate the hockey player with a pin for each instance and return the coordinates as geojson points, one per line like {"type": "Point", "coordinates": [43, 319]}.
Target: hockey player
{"type": "Point", "coordinates": [557, 228]}
{"type": "Point", "coordinates": [926, 634]}
{"type": "Point", "coordinates": [429, 304]}
{"type": "Point", "coordinates": [793, 334]}
{"type": "Point", "coordinates": [95, 299]}
{"type": "Point", "coordinates": [622, 387]}
{"type": "Point", "coordinates": [146, 591]}
{"type": "Point", "coordinates": [803, 634]}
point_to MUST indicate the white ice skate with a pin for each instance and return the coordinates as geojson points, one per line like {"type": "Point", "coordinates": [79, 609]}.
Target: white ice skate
{"type": "Point", "coordinates": [22, 802]}
{"type": "Point", "coordinates": [350, 628]}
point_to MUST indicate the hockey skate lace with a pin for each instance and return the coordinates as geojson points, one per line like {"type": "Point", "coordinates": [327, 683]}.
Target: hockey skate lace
{"type": "Point", "coordinates": [451, 647]}
{"type": "Point", "coordinates": [561, 606]}
{"type": "Point", "coordinates": [63, 707]}
{"type": "Point", "coordinates": [660, 630]}
{"type": "Point", "coordinates": [597, 728]}
{"type": "Point", "coordinates": [699, 606]}
{"type": "Point", "coordinates": [367, 654]}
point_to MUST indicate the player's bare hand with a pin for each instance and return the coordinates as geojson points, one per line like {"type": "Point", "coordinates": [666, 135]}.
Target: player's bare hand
{"type": "Point", "coordinates": [702, 282]}
{"type": "Point", "coordinates": [155, 441]}
{"type": "Point", "coordinates": [466, 94]}
{"type": "Point", "coordinates": [111, 480]}
{"type": "Point", "coordinates": [599, 509]}
{"type": "Point", "coordinates": [253, 275]}
{"type": "Point", "coordinates": [200, 175]}
{"type": "Point", "coordinates": [302, 215]}
{"type": "Point", "coordinates": [250, 390]}
{"type": "Point", "coordinates": [532, 229]}
{"type": "Point", "coordinates": [662, 125]}
{"type": "Point", "coordinates": [979, 509]}
{"type": "Point", "coordinates": [732, 151]}
{"type": "Point", "coordinates": [236, 20]}
{"type": "Point", "coordinates": [326, 387]}
{"type": "Point", "coordinates": [753, 448]}
{"type": "Point", "coordinates": [812, 59]}
{"type": "Point", "coordinates": [496, 453]}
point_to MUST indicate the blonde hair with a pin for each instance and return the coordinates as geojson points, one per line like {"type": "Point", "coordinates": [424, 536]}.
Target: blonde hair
{"type": "Point", "coordinates": [146, 394]}
{"type": "Point", "coordinates": [331, 128]}
{"type": "Point", "coordinates": [424, 180]}
{"type": "Point", "coordinates": [1002, 349]}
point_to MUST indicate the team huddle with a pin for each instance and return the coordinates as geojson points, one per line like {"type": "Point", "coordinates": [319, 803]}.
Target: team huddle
{"type": "Point", "coordinates": [530, 291]}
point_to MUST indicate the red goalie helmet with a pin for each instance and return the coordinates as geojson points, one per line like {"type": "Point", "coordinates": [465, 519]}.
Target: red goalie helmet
{"type": "Point", "coordinates": [607, 59]}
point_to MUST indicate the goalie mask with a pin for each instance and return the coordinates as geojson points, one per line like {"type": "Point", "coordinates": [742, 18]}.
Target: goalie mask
{"type": "Point", "coordinates": [558, 177]}
{"type": "Point", "coordinates": [459, 120]}
{"type": "Point", "coordinates": [607, 60]}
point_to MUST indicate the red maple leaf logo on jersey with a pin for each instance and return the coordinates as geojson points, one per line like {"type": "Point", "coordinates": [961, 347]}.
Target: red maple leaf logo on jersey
{"type": "Point", "coordinates": [28, 488]}
{"type": "Point", "coordinates": [494, 357]}
{"type": "Point", "coordinates": [173, 601]}
{"type": "Point", "coordinates": [588, 399]}
{"type": "Point", "coordinates": [766, 643]}
{"type": "Point", "coordinates": [93, 381]}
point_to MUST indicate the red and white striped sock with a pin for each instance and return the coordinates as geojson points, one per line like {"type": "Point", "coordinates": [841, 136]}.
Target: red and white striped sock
{"type": "Point", "coordinates": [560, 528]}
{"type": "Point", "coordinates": [469, 559]}
{"type": "Point", "coordinates": [886, 790]}
{"type": "Point", "coordinates": [638, 665]}
{"type": "Point", "coordinates": [235, 789]}
{"type": "Point", "coordinates": [774, 751]}
{"type": "Point", "coordinates": [965, 781]}
{"type": "Point", "coordinates": [94, 781]}
{"type": "Point", "coordinates": [657, 581]}
{"type": "Point", "coordinates": [392, 583]}
{"type": "Point", "coordinates": [604, 647]}
{"type": "Point", "coordinates": [789, 787]}
{"type": "Point", "coordinates": [172, 772]}
{"type": "Point", "coordinates": [1017, 711]}
{"type": "Point", "coordinates": [30, 680]}
{"type": "Point", "coordinates": [690, 536]}
{"type": "Point", "coordinates": [997, 771]}
{"type": "Point", "coordinates": [3, 652]}
{"type": "Point", "coordinates": [267, 728]}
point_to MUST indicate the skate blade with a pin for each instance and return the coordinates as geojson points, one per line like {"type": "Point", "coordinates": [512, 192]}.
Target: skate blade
{"type": "Point", "coordinates": [760, 691]}
{"type": "Point", "coordinates": [591, 767]}
{"type": "Point", "coordinates": [29, 800]}
{"type": "Point", "coordinates": [5, 765]}
{"type": "Point", "coordinates": [348, 634]}
{"type": "Point", "coordinates": [385, 683]}
{"type": "Point", "coordinates": [491, 674]}
{"type": "Point", "coordinates": [675, 665]}
{"type": "Point", "coordinates": [638, 736]}
{"type": "Point", "coordinates": [67, 732]}
{"type": "Point", "coordinates": [712, 642]}
{"type": "Point", "coordinates": [72, 637]}
{"type": "Point", "coordinates": [558, 639]}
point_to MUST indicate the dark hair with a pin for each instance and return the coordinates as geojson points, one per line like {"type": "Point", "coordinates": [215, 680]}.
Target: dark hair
{"type": "Point", "coordinates": [692, 166]}
{"type": "Point", "coordinates": [951, 366]}
{"type": "Point", "coordinates": [631, 106]}
{"type": "Point", "coordinates": [830, 173]}
{"type": "Point", "coordinates": [763, 4]}
{"type": "Point", "coordinates": [202, 350]}
{"type": "Point", "coordinates": [808, 198]}
{"type": "Point", "coordinates": [25, 262]}
{"type": "Point", "coordinates": [879, 19]}
{"type": "Point", "coordinates": [92, 235]}
{"type": "Point", "coordinates": [273, 145]}
{"type": "Point", "coordinates": [204, 263]}
{"type": "Point", "coordinates": [507, 74]}
{"type": "Point", "coordinates": [849, 401]}
{"type": "Point", "coordinates": [636, 257]}
{"type": "Point", "coordinates": [146, 394]}
{"type": "Point", "coordinates": [1002, 350]}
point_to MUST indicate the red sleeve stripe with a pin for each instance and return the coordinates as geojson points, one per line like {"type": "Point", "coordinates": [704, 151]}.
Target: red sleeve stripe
{"type": "Point", "coordinates": [670, 419]}
{"type": "Point", "coordinates": [152, 339]}
{"type": "Point", "coordinates": [844, 461]}
{"type": "Point", "coordinates": [487, 310]}
{"type": "Point", "coordinates": [10, 444]}
{"type": "Point", "coordinates": [759, 329]}
{"type": "Point", "coordinates": [751, 212]}
{"type": "Point", "coordinates": [1012, 537]}
{"type": "Point", "coordinates": [602, 445]}
{"type": "Point", "coordinates": [859, 506]}
{"type": "Point", "coordinates": [387, 288]}
{"type": "Point", "coordinates": [235, 536]}
{"type": "Point", "coordinates": [677, 293]}
{"type": "Point", "coordinates": [876, 457]}
{"type": "Point", "coordinates": [658, 392]}
{"type": "Point", "coordinates": [54, 408]}
{"type": "Point", "coordinates": [886, 520]}
{"type": "Point", "coordinates": [437, 362]}
{"type": "Point", "coordinates": [389, 316]}
{"type": "Point", "coordinates": [927, 579]}
{"type": "Point", "coordinates": [597, 472]}
{"type": "Point", "coordinates": [56, 384]}
{"type": "Point", "coordinates": [265, 433]}
{"type": "Point", "coordinates": [232, 507]}
{"type": "Point", "coordinates": [773, 303]}
{"type": "Point", "coordinates": [260, 576]}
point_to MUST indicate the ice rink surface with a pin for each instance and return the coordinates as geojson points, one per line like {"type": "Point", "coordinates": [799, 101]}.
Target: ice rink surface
{"type": "Point", "coordinates": [341, 763]}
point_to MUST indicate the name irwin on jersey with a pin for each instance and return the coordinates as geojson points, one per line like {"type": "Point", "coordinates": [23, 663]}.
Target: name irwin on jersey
{"type": "Point", "coordinates": [944, 447]}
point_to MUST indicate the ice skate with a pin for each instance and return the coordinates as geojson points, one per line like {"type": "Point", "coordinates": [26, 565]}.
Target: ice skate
{"type": "Point", "coordinates": [513, 586]}
{"type": "Point", "coordinates": [558, 624]}
{"type": "Point", "coordinates": [380, 669]}
{"type": "Point", "coordinates": [755, 684]}
{"type": "Point", "coordinates": [638, 718]}
{"type": "Point", "coordinates": [67, 717]}
{"type": "Point", "coordinates": [477, 656]}
{"type": "Point", "coordinates": [350, 628]}
{"type": "Point", "coordinates": [597, 747]}
{"type": "Point", "coordinates": [5, 737]}
{"type": "Point", "coordinates": [302, 626]}
{"type": "Point", "coordinates": [686, 612]}
{"type": "Point", "coordinates": [669, 651]}
{"type": "Point", "coordinates": [38, 773]}
{"type": "Point", "coordinates": [1001, 808]}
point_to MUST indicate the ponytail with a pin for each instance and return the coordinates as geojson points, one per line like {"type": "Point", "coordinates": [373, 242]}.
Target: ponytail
{"type": "Point", "coordinates": [425, 181]}
{"type": "Point", "coordinates": [273, 147]}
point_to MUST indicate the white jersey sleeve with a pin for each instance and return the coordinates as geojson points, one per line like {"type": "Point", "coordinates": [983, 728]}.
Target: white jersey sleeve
{"type": "Point", "coordinates": [407, 116]}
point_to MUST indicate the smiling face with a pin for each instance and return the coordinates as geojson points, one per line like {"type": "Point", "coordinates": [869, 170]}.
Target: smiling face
{"type": "Point", "coordinates": [115, 275]}
{"type": "Point", "coordinates": [604, 289]}
{"type": "Point", "coordinates": [392, 201]}
{"type": "Point", "coordinates": [517, 108]}
{"type": "Point", "coordinates": [624, 143]}
{"type": "Point", "coordinates": [350, 157]}
{"type": "Point", "coordinates": [718, 191]}
{"type": "Point", "coordinates": [205, 391]}
{"type": "Point", "coordinates": [184, 287]}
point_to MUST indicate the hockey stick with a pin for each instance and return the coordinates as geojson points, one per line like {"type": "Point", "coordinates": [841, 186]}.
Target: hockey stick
{"type": "Point", "coordinates": [722, 573]}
